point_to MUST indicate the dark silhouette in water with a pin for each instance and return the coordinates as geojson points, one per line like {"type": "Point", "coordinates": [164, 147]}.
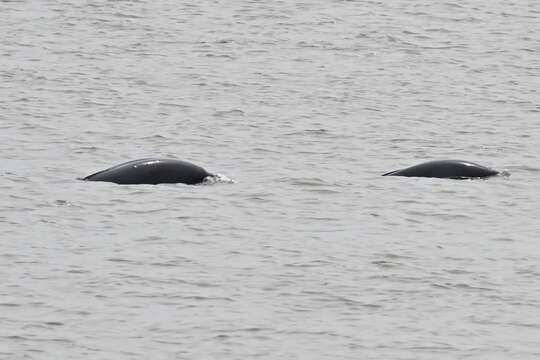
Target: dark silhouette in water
{"type": "Point", "coordinates": [152, 171]}
{"type": "Point", "coordinates": [447, 169]}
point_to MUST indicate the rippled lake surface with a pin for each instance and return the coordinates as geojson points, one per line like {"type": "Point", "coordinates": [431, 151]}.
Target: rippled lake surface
{"type": "Point", "coordinates": [310, 253]}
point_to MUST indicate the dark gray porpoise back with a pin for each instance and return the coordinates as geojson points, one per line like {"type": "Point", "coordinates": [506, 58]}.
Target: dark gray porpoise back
{"type": "Point", "coordinates": [152, 171]}
{"type": "Point", "coordinates": [448, 169]}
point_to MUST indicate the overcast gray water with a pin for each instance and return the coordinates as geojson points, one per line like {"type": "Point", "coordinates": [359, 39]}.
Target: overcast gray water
{"type": "Point", "coordinates": [310, 253]}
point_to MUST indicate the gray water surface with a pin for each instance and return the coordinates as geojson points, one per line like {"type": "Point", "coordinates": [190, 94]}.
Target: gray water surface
{"type": "Point", "coordinates": [310, 253]}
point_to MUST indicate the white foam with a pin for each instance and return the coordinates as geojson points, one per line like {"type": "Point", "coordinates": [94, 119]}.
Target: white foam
{"type": "Point", "coordinates": [217, 178]}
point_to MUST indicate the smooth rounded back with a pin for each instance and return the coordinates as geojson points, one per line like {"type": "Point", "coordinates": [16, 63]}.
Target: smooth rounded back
{"type": "Point", "coordinates": [448, 169]}
{"type": "Point", "coordinates": [152, 171]}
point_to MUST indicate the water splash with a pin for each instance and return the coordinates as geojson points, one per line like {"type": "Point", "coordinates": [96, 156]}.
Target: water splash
{"type": "Point", "coordinates": [217, 178]}
{"type": "Point", "coordinates": [505, 174]}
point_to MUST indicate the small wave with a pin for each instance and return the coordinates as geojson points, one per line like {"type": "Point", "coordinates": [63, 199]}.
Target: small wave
{"type": "Point", "coordinates": [305, 181]}
{"type": "Point", "coordinates": [233, 112]}
{"type": "Point", "coordinates": [126, 16]}
{"type": "Point", "coordinates": [310, 132]}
